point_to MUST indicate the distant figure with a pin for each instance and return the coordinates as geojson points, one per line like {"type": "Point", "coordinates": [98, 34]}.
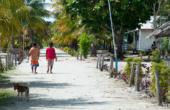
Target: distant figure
{"type": "Point", "coordinates": [50, 56]}
{"type": "Point", "coordinates": [34, 53]}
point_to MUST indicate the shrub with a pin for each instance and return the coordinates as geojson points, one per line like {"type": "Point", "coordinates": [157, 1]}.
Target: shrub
{"type": "Point", "coordinates": [85, 42]}
{"type": "Point", "coordinates": [4, 45]}
{"type": "Point", "coordinates": [66, 49]}
{"type": "Point", "coordinates": [164, 73]}
{"type": "Point", "coordinates": [156, 56]}
{"type": "Point", "coordinates": [143, 53]}
{"type": "Point", "coordinates": [16, 45]}
{"type": "Point", "coordinates": [127, 69]}
{"type": "Point", "coordinates": [74, 53]}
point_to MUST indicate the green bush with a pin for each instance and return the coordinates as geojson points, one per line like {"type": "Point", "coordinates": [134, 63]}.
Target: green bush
{"type": "Point", "coordinates": [127, 69]}
{"type": "Point", "coordinates": [74, 53]}
{"type": "Point", "coordinates": [164, 72]}
{"type": "Point", "coordinates": [16, 45]}
{"type": "Point", "coordinates": [4, 45]}
{"type": "Point", "coordinates": [66, 49]}
{"type": "Point", "coordinates": [143, 53]}
{"type": "Point", "coordinates": [156, 56]}
{"type": "Point", "coordinates": [85, 42]}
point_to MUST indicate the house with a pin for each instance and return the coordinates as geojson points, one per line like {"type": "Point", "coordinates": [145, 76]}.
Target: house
{"type": "Point", "coordinates": [139, 40]}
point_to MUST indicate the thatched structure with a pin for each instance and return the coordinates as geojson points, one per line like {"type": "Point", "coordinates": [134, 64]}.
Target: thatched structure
{"type": "Point", "coordinates": [162, 31]}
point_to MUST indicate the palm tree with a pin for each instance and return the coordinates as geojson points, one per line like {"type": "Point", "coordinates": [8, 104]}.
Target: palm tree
{"type": "Point", "coordinates": [10, 22]}
{"type": "Point", "coordinates": [64, 29]}
{"type": "Point", "coordinates": [37, 26]}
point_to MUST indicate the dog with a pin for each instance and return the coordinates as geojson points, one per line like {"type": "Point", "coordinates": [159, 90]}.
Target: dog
{"type": "Point", "coordinates": [22, 89]}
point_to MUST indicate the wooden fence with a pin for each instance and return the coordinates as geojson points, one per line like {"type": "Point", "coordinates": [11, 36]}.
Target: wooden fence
{"type": "Point", "coordinates": [13, 58]}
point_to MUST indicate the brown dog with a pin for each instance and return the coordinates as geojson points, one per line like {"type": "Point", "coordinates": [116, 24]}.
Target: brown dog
{"type": "Point", "coordinates": [22, 89]}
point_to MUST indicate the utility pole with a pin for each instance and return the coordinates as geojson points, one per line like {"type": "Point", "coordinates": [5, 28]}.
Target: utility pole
{"type": "Point", "coordinates": [116, 60]}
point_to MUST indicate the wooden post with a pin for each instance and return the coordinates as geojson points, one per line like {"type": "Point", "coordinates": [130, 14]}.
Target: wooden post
{"type": "Point", "coordinates": [11, 60]}
{"type": "Point", "coordinates": [9, 65]}
{"type": "Point", "coordinates": [97, 61]}
{"type": "Point", "coordinates": [1, 64]}
{"type": "Point", "coordinates": [131, 75]}
{"type": "Point", "coordinates": [137, 78]}
{"type": "Point", "coordinates": [81, 56]}
{"type": "Point", "coordinates": [111, 66]}
{"type": "Point", "coordinates": [6, 61]}
{"type": "Point", "coordinates": [102, 63]}
{"type": "Point", "coordinates": [19, 56]}
{"type": "Point", "coordinates": [15, 57]}
{"type": "Point", "coordinates": [77, 55]}
{"type": "Point", "coordinates": [158, 88]}
{"type": "Point", "coordinates": [168, 87]}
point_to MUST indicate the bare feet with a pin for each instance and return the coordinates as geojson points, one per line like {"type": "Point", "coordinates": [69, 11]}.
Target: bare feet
{"type": "Point", "coordinates": [47, 70]}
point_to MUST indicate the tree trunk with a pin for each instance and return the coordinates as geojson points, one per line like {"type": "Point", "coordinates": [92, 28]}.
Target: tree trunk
{"type": "Point", "coordinates": [119, 43]}
{"type": "Point", "coordinates": [110, 47]}
{"type": "Point", "coordinates": [94, 48]}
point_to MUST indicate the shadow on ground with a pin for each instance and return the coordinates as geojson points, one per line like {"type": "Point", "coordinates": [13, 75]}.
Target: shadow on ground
{"type": "Point", "coordinates": [51, 103]}
{"type": "Point", "coordinates": [38, 84]}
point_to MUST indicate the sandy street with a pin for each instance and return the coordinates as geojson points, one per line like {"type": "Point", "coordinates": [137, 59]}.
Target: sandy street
{"type": "Point", "coordinates": [75, 85]}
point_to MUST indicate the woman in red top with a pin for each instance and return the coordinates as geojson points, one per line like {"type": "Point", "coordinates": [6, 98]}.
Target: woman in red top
{"type": "Point", "coordinates": [50, 56]}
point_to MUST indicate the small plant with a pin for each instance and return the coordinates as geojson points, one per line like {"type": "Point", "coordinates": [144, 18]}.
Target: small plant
{"type": "Point", "coordinates": [85, 42]}
{"type": "Point", "coordinates": [164, 73]}
{"type": "Point", "coordinates": [74, 53]}
{"type": "Point", "coordinates": [127, 69]}
{"type": "Point", "coordinates": [66, 49]}
{"type": "Point", "coordinates": [143, 53]}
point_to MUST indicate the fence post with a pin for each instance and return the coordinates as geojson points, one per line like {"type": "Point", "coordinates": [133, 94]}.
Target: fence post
{"type": "Point", "coordinates": [1, 64]}
{"type": "Point", "coordinates": [102, 63]}
{"type": "Point", "coordinates": [137, 78]}
{"type": "Point", "coordinates": [6, 63]}
{"type": "Point", "coordinates": [15, 57]}
{"type": "Point", "coordinates": [168, 87]}
{"type": "Point", "coordinates": [11, 60]}
{"type": "Point", "coordinates": [97, 61]}
{"type": "Point", "coordinates": [158, 88]}
{"type": "Point", "coordinates": [77, 55]}
{"type": "Point", "coordinates": [131, 75]}
{"type": "Point", "coordinates": [111, 66]}
{"type": "Point", "coordinates": [19, 56]}
{"type": "Point", "coordinates": [81, 56]}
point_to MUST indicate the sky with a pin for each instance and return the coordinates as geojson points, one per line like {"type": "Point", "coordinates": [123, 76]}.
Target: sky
{"type": "Point", "coordinates": [48, 7]}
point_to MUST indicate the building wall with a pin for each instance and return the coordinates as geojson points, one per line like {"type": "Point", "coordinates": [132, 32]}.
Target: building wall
{"type": "Point", "coordinates": [145, 43]}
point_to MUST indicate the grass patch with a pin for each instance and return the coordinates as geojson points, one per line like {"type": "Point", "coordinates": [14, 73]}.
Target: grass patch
{"type": "Point", "coordinates": [12, 74]}
{"type": "Point", "coordinates": [5, 96]}
{"type": "Point", "coordinates": [12, 68]}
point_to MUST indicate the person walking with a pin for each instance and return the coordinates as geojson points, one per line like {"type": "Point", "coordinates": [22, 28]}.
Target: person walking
{"type": "Point", "coordinates": [50, 56]}
{"type": "Point", "coordinates": [34, 53]}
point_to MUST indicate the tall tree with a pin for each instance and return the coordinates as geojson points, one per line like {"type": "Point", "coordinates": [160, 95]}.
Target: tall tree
{"type": "Point", "coordinates": [126, 14]}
